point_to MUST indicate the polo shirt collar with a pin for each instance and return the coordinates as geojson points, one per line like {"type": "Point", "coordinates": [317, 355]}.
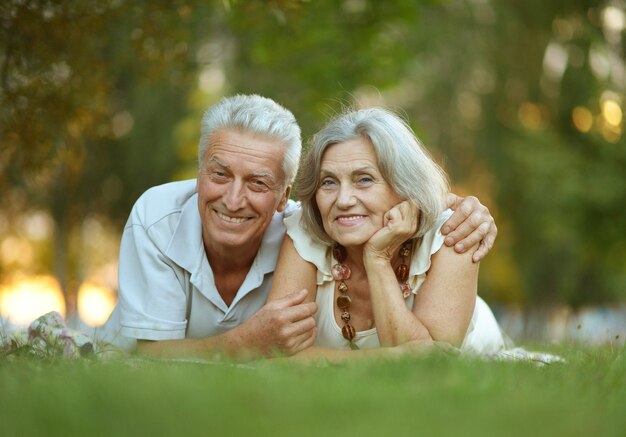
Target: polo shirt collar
{"type": "Point", "coordinates": [186, 249]}
{"type": "Point", "coordinates": [265, 260]}
{"type": "Point", "coordinates": [186, 243]}
{"type": "Point", "coordinates": [267, 255]}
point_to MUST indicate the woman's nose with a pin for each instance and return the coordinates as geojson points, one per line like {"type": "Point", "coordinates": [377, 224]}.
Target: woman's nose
{"type": "Point", "coordinates": [345, 196]}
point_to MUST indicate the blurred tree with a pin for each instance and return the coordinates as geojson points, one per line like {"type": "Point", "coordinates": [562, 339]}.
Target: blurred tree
{"type": "Point", "coordinates": [495, 88]}
{"type": "Point", "coordinates": [90, 92]}
{"type": "Point", "coordinates": [523, 101]}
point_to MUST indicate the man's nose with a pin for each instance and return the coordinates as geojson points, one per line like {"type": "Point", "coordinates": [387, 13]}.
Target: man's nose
{"type": "Point", "coordinates": [234, 198]}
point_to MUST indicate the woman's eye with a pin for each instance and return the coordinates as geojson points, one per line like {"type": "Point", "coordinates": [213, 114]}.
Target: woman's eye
{"type": "Point", "coordinates": [327, 183]}
{"type": "Point", "coordinates": [365, 180]}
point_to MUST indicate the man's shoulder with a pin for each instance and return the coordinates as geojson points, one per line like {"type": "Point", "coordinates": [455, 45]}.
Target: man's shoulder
{"type": "Point", "coordinates": [162, 201]}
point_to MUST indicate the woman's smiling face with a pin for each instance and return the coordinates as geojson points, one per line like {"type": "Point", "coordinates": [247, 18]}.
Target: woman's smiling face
{"type": "Point", "coordinates": [353, 196]}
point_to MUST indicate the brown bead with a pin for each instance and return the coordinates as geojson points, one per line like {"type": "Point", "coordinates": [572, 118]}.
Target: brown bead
{"type": "Point", "coordinates": [402, 272]}
{"type": "Point", "coordinates": [343, 302]}
{"type": "Point", "coordinates": [342, 287]}
{"type": "Point", "coordinates": [348, 331]}
{"type": "Point", "coordinates": [339, 252]}
{"type": "Point", "coordinates": [345, 316]}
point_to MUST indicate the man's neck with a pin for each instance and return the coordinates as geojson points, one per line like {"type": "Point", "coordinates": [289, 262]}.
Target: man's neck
{"type": "Point", "coordinates": [231, 259]}
{"type": "Point", "coordinates": [230, 267]}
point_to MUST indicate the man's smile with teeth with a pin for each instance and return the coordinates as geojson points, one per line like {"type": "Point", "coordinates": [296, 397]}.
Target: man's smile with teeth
{"type": "Point", "coordinates": [231, 219]}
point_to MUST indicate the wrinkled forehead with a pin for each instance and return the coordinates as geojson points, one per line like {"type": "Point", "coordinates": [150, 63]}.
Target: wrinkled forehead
{"type": "Point", "coordinates": [350, 152]}
{"type": "Point", "coordinates": [242, 149]}
{"type": "Point", "coordinates": [236, 138]}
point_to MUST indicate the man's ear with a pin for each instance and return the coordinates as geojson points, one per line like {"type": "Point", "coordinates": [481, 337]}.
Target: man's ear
{"type": "Point", "coordinates": [283, 201]}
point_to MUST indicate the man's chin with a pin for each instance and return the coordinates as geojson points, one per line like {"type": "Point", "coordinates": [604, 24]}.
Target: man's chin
{"type": "Point", "coordinates": [233, 242]}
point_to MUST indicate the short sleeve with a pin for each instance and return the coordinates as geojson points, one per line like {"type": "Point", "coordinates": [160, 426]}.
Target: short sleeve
{"type": "Point", "coordinates": [153, 304]}
{"type": "Point", "coordinates": [430, 243]}
{"type": "Point", "coordinates": [291, 208]}
{"type": "Point", "coordinates": [308, 248]}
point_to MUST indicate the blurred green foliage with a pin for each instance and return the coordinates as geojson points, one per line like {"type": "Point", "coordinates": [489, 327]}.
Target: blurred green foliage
{"type": "Point", "coordinates": [101, 99]}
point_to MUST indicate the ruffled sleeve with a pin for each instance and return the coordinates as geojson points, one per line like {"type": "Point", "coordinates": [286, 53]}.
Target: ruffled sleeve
{"type": "Point", "coordinates": [309, 249]}
{"type": "Point", "coordinates": [429, 244]}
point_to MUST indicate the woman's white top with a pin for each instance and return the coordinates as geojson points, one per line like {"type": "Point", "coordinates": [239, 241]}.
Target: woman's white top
{"type": "Point", "coordinates": [483, 335]}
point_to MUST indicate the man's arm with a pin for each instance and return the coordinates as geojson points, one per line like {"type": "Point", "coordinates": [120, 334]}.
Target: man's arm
{"type": "Point", "coordinates": [470, 224]}
{"type": "Point", "coordinates": [281, 327]}
{"type": "Point", "coordinates": [153, 306]}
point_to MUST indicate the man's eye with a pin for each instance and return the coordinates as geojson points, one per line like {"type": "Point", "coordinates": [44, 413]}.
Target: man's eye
{"type": "Point", "coordinates": [258, 185]}
{"type": "Point", "coordinates": [218, 176]}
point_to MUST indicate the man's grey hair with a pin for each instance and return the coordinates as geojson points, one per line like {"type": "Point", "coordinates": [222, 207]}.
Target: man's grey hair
{"type": "Point", "coordinates": [257, 115]}
{"type": "Point", "coordinates": [403, 162]}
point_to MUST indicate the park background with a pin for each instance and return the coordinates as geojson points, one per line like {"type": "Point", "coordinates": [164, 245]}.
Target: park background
{"type": "Point", "coordinates": [522, 102]}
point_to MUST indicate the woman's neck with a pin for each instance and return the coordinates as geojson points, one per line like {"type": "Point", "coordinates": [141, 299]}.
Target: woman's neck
{"type": "Point", "coordinates": [354, 256]}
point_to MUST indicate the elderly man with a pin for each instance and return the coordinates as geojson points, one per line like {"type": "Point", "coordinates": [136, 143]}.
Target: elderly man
{"type": "Point", "coordinates": [197, 256]}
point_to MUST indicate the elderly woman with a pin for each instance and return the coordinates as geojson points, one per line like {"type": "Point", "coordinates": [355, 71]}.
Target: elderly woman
{"type": "Point", "coordinates": [367, 244]}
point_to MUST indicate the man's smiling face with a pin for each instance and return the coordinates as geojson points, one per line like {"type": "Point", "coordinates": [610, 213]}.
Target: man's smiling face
{"type": "Point", "coordinates": [241, 184]}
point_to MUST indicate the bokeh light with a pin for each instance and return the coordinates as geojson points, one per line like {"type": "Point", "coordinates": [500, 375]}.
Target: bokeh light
{"type": "Point", "coordinates": [582, 119]}
{"type": "Point", "coordinates": [24, 299]}
{"type": "Point", "coordinates": [95, 303]}
{"type": "Point", "coordinates": [530, 116]}
{"type": "Point", "coordinates": [15, 250]}
{"type": "Point", "coordinates": [612, 112]}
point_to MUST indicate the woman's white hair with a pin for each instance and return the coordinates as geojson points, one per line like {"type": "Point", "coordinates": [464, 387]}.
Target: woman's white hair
{"type": "Point", "coordinates": [257, 115]}
{"type": "Point", "coordinates": [402, 160]}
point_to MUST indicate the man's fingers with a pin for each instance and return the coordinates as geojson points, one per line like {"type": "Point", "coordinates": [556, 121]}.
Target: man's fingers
{"type": "Point", "coordinates": [480, 253]}
{"type": "Point", "coordinates": [292, 299]}
{"type": "Point", "coordinates": [485, 245]}
{"type": "Point", "coordinates": [309, 341]}
{"type": "Point", "coordinates": [303, 341]}
{"type": "Point", "coordinates": [465, 229]}
{"type": "Point", "coordinates": [300, 312]}
{"type": "Point", "coordinates": [452, 201]}
{"type": "Point", "coordinates": [459, 217]}
{"type": "Point", "coordinates": [471, 223]}
{"type": "Point", "coordinates": [472, 239]}
{"type": "Point", "coordinates": [301, 327]}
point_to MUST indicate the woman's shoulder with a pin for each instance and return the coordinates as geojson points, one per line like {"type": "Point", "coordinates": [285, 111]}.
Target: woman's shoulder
{"type": "Point", "coordinates": [307, 247]}
{"type": "Point", "coordinates": [429, 244]}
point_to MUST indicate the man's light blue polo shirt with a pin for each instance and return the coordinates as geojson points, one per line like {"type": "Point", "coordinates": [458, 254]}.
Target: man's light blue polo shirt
{"type": "Point", "coordinates": [166, 285]}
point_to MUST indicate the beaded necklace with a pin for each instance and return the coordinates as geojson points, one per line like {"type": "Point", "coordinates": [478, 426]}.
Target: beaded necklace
{"type": "Point", "coordinates": [341, 273]}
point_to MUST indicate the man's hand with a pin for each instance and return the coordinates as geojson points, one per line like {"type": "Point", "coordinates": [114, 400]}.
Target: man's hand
{"type": "Point", "coordinates": [284, 326]}
{"type": "Point", "coordinates": [471, 223]}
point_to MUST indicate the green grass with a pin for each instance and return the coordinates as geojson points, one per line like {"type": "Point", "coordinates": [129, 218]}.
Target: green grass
{"type": "Point", "coordinates": [437, 395]}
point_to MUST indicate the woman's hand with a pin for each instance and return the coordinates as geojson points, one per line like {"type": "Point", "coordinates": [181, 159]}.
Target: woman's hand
{"type": "Point", "coordinates": [399, 224]}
